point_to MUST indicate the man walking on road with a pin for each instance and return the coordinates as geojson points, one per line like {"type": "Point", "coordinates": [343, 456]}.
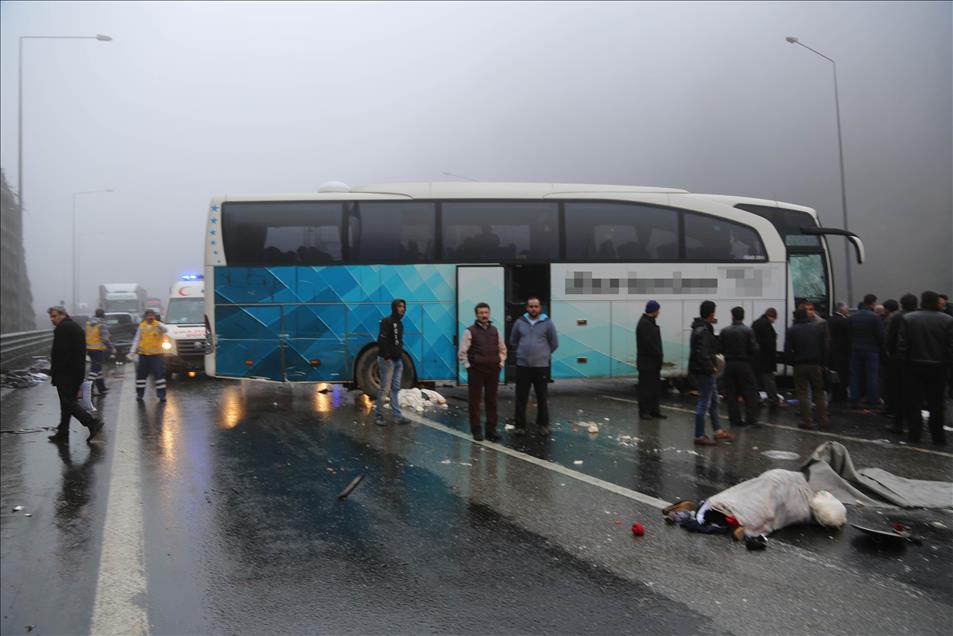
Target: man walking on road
{"type": "Point", "coordinates": [805, 347]}
{"type": "Point", "coordinates": [67, 371]}
{"type": "Point", "coordinates": [534, 338]}
{"type": "Point", "coordinates": [648, 344]}
{"type": "Point", "coordinates": [766, 362]}
{"type": "Point", "coordinates": [97, 344]}
{"type": "Point", "coordinates": [390, 361]}
{"type": "Point", "coordinates": [703, 365]}
{"type": "Point", "coordinates": [739, 348]}
{"type": "Point", "coordinates": [483, 353]}
{"type": "Point", "coordinates": [147, 344]}
{"type": "Point", "coordinates": [925, 344]}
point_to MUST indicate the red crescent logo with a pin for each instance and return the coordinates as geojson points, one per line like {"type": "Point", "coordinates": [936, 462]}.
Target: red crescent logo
{"type": "Point", "coordinates": [182, 290]}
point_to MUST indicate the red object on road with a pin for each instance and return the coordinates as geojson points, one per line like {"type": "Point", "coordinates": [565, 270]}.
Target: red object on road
{"type": "Point", "coordinates": [638, 529]}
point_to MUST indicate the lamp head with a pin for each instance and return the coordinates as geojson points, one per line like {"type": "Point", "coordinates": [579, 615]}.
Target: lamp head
{"type": "Point", "coordinates": [791, 39]}
{"type": "Point", "coordinates": [103, 38]}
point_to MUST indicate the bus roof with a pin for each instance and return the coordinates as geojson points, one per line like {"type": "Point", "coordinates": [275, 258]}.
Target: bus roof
{"type": "Point", "coordinates": [505, 189]}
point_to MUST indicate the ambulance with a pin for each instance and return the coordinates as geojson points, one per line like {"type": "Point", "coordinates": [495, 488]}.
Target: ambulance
{"type": "Point", "coordinates": [184, 344]}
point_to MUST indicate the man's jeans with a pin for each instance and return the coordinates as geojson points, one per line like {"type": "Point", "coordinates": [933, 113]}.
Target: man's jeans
{"type": "Point", "coordinates": [864, 364]}
{"type": "Point", "coordinates": [707, 401]}
{"type": "Point", "coordinates": [391, 373]}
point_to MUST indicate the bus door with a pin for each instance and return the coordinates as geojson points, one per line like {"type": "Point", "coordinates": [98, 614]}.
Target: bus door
{"type": "Point", "coordinates": [522, 282]}
{"type": "Point", "coordinates": [477, 284]}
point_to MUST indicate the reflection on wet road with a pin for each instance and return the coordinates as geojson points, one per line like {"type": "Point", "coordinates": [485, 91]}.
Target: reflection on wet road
{"type": "Point", "coordinates": [243, 531]}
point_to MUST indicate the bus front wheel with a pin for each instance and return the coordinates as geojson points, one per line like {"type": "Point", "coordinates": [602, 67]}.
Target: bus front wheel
{"type": "Point", "coordinates": [367, 374]}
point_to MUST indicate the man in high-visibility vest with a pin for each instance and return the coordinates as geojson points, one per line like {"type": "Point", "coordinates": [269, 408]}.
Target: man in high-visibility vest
{"type": "Point", "coordinates": [98, 343]}
{"type": "Point", "coordinates": [148, 345]}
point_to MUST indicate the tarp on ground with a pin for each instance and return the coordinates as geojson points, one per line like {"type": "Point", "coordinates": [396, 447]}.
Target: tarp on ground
{"type": "Point", "coordinates": [830, 468]}
{"type": "Point", "coordinates": [772, 500]}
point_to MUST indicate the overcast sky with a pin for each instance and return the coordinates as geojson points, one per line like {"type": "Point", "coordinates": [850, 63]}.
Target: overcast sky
{"type": "Point", "coordinates": [193, 99]}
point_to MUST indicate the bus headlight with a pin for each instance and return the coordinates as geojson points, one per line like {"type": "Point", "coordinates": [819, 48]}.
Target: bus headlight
{"type": "Point", "coordinates": [166, 344]}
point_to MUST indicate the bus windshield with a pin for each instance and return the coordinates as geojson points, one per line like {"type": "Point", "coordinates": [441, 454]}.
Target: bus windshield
{"type": "Point", "coordinates": [185, 311]}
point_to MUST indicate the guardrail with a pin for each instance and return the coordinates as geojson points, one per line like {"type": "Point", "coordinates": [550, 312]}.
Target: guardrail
{"type": "Point", "coordinates": [17, 349]}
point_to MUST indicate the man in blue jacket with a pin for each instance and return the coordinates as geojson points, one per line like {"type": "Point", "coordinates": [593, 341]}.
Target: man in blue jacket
{"type": "Point", "coordinates": [534, 338]}
{"type": "Point", "coordinates": [866, 331]}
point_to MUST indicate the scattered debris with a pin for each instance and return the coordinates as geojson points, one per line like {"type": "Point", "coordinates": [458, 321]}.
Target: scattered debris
{"type": "Point", "coordinates": [17, 508]}
{"type": "Point", "coordinates": [938, 524]}
{"type": "Point", "coordinates": [421, 399]}
{"type": "Point", "coordinates": [27, 514]}
{"type": "Point", "coordinates": [593, 427]}
{"type": "Point", "coordinates": [446, 461]}
{"type": "Point", "coordinates": [350, 487]}
{"type": "Point", "coordinates": [508, 427]}
{"type": "Point", "coordinates": [779, 454]}
{"type": "Point", "coordinates": [578, 462]}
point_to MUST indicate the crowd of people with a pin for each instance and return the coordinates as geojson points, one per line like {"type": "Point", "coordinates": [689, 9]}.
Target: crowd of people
{"type": "Point", "coordinates": [902, 351]}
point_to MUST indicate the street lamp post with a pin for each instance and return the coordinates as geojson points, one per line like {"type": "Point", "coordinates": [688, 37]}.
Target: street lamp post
{"type": "Point", "coordinates": [100, 37]}
{"type": "Point", "coordinates": [840, 148]}
{"type": "Point", "coordinates": [76, 194]}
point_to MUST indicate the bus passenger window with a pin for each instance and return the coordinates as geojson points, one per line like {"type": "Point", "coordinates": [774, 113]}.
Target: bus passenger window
{"type": "Point", "coordinates": [620, 231]}
{"type": "Point", "coordinates": [500, 230]}
{"type": "Point", "coordinates": [708, 238]}
{"type": "Point", "coordinates": [393, 231]}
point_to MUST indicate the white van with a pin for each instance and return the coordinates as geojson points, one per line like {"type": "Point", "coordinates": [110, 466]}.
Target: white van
{"type": "Point", "coordinates": [184, 344]}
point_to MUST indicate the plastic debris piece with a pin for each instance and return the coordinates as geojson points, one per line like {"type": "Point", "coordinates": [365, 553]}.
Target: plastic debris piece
{"type": "Point", "coordinates": [593, 427]}
{"type": "Point", "coordinates": [779, 454]}
{"type": "Point", "coordinates": [350, 487]}
{"type": "Point", "coordinates": [578, 462]}
{"type": "Point", "coordinates": [446, 461]}
{"type": "Point", "coordinates": [17, 508]}
{"type": "Point", "coordinates": [638, 529]}
{"type": "Point", "coordinates": [938, 524]}
{"type": "Point", "coordinates": [508, 427]}
{"type": "Point", "coordinates": [27, 514]}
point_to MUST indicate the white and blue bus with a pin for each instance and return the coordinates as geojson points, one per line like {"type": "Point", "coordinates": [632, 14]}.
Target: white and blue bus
{"type": "Point", "coordinates": [297, 284]}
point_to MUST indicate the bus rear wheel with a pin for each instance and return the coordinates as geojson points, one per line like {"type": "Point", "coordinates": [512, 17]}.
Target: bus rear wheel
{"type": "Point", "coordinates": [367, 374]}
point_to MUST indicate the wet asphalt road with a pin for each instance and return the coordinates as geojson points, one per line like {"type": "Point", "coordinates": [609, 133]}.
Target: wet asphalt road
{"type": "Point", "coordinates": [218, 513]}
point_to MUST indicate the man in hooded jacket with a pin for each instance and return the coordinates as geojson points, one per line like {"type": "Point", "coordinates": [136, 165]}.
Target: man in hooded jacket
{"type": "Point", "coordinates": [390, 350]}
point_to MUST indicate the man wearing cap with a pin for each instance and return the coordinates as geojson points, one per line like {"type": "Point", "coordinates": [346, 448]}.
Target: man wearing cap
{"type": "Point", "coordinates": [148, 345]}
{"type": "Point", "coordinates": [766, 362]}
{"type": "Point", "coordinates": [648, 343]}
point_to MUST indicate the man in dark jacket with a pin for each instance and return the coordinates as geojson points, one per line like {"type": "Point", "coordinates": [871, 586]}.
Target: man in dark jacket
{"type": "Point", "coordinates": [805, 347]}
{"type": "Point", "coordinates": [739, 348]}
{"type": "Point", "coordinates": [648, 345]}
{"type": "Point", "coordinates": [840, 351]}
{"type": "Point", "coordinates": [68, 370]}
{"type": "Point", "coordinates": [703, 365]}
{"type": "Point", "coordinates": [483, 354]}
{"type": "Point", "coordinates": [925, 344]}
{"type": "Point", "coordinates": [534, 338]}
{"type": "Point", "coordinates": [390, 361]}
{"type": "Point", "coordinates": [766, 362]}
{"type": "Point", "coordinates": [866, 339]}
{"type": "Point", "coordinates": [895, 366]}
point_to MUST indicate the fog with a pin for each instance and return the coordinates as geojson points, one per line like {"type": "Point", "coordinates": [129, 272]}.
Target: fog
{"type": "Point", "coordinates": [192, 100]}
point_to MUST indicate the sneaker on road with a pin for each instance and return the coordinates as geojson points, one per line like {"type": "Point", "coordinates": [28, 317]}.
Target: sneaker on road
{"type": "Point", "coordinates": [379, 420]}
{"type": "Point", "coordinates": [704, 440]}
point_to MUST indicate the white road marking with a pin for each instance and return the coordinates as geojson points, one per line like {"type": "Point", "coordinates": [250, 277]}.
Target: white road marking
{"type": "Point", "coordinates": [801, 430]}
{"type": "Point", "coordinates": [557, 468]}
{"type": "Point", "coordinates": [121, 594]}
